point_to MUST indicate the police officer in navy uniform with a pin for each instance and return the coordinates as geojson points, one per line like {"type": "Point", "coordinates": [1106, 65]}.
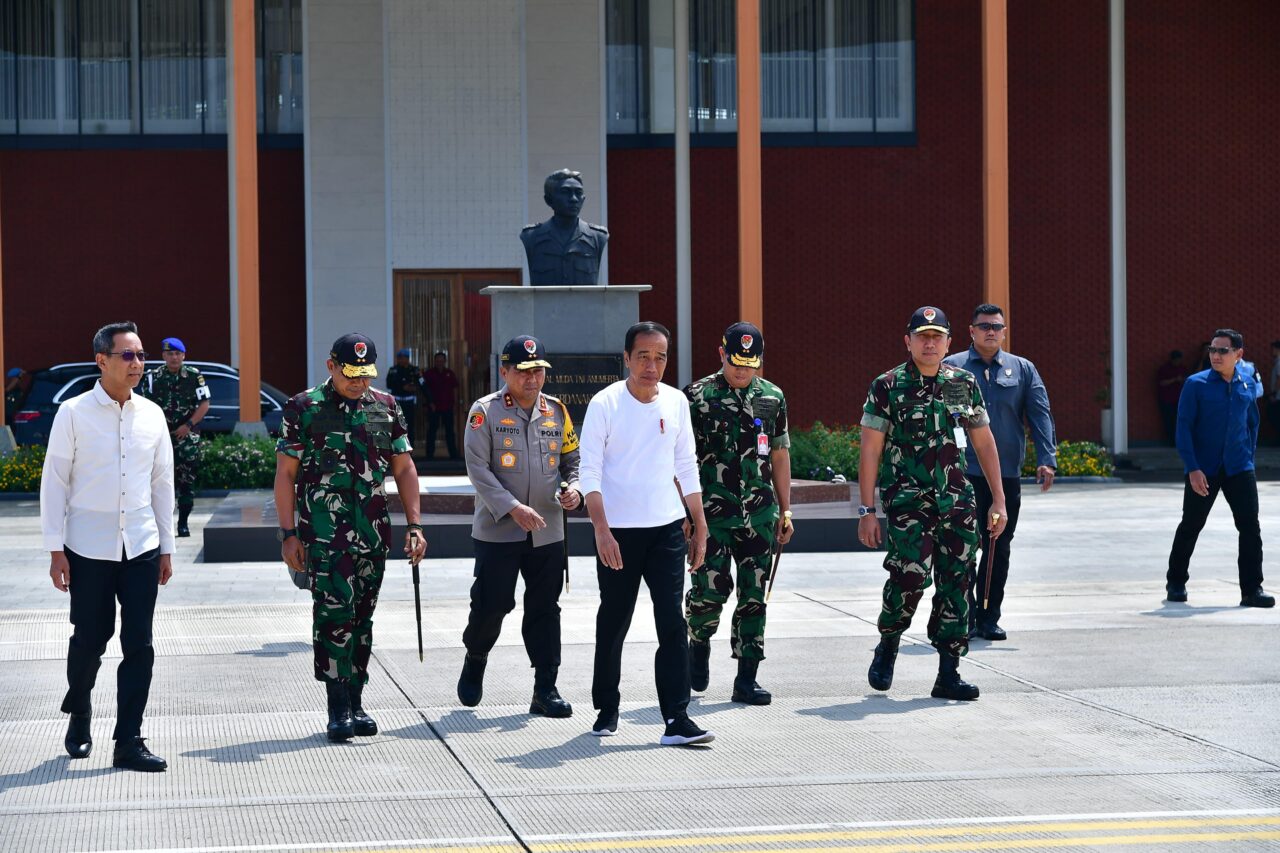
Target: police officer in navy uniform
{"type": "Point", "coordinates": [520, 446]}
{"type": "Point", "coordinates": [565, 249]}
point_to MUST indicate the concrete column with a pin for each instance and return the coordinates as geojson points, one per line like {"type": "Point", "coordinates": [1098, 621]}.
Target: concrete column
{"type": "Point", "coordinates": [995, 155]}
{"type": "Point", "coordinates": [1119, 238]}
{"type": "Point", "coordinates": [242, 180]}
{"type": "Point", "coordinates": [750, 227]}
{"type": "Point", "coordinates": [684, 232]}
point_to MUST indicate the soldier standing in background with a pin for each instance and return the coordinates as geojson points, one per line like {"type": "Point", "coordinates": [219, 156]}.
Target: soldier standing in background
{"type": "Point", "coordinates": [402, 382]}
{"type": "Point", "coordinates": [744, 465]}
{"type": "Point", "coordinates": [917, 420]}
{"type": "Point", "coordinates": [338, 441]}
{"type": "Point", "coordinates": [181, 392]}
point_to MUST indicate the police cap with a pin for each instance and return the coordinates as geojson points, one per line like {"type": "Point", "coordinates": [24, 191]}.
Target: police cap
{"type": "Point", "coordinates": [524, 352]}
{"type": "Point", "coordinates": [356, 354]}
{"type": "Point", "coordinates": [743, 344]}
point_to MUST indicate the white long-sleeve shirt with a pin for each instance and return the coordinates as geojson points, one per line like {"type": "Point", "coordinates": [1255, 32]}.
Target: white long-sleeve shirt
{"type": "Point", "coordinates": [107, 484]}
{"type": "Point", "coordinates": [631, 451]}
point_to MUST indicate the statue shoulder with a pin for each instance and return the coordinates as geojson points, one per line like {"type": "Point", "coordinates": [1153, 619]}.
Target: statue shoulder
{"type": "Point", "coordinates": [600, 228]}
{"type": "Point", "coordinates": [531, 226]}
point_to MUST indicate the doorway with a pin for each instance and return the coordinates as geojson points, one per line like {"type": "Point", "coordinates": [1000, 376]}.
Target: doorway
{"type": "Point", "coordinates": [442, 311]}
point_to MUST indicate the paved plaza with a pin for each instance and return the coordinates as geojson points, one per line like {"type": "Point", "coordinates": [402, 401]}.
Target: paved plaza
{"type": "Point", "coordinates": [1109, 720]}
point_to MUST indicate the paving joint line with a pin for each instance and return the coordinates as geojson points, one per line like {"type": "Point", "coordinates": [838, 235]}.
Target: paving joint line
{"type": "Point", "coordinates": [1061, 694]}
{"type": "Point", "coordinates": [471, 774]}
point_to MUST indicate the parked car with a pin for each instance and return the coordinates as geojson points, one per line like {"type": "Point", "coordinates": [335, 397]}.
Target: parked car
{"type": "Point", "coordinates": [50, 387]}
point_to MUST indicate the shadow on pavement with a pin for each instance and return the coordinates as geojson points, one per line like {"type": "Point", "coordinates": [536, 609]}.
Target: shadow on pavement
{"type": "Point", "coordinates": [254, 751]}
{"type": "Point", "coordinates": [460, 722]}
{"type": "Point", "coordinates": [1178, 610]}
{"type": "Point", "coordinates": [49, 771]}
{"type": "Point", "coordinates": [871, 706]}
{"type": "Point", "coordinates": [584, 746]}
{"type": "Point", "coordinates": [278, 650]}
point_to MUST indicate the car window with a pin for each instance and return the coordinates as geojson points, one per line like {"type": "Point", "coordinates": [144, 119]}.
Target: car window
{"type": "Point", "coordinates": [75, 387]}
{"type": "Point", "coordinates": [224, 390]}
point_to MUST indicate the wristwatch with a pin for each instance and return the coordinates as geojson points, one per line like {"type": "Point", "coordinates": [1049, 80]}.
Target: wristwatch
{"type": "Point", "coordinates": [284, 533]}
{"type": "Point", "coordinates": [864, 511]}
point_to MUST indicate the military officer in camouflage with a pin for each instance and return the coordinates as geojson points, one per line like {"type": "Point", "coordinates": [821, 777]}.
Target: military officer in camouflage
{"type": "Point", "coordinates": [181, 392]}
{"type": "Point", "coordinates": [338, 441]}
{"type": "Point", "coordinates": [744, 464]}
{"type": "Point", "coordinates": [918, 419]}
{"type": "Point", "coordinates": [520, 446]}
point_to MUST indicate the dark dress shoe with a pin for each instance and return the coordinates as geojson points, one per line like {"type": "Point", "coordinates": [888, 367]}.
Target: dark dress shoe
{"type": "Point", "coordinates": [548, 703]}
{"type": "Point", "coordinates": [1258, 598]}
{"type": "Point", "coordinates": [992, 631]}
{"type": "Point", "coordinates": [1175, 593]}
{"type": "Point", "coordinates": [132, 754]}
{"type": "Point", "coordinates": [183, 530]}
{"type": "Point", "coordinates": [79, 740]}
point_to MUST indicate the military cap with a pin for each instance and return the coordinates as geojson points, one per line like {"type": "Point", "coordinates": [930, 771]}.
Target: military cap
{"type": "Point", "coordinates": [929, 319]}
{"type": "Point", "coordinates": [173, 344]}
{"type": "Point", "coordinates": [357, 355]}
{"type": "Point", "coordinates": [743, 344]}
{"type": "Point", "coordinates": [524, 352]}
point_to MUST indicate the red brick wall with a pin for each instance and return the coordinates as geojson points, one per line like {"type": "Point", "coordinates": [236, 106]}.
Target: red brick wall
{"type": "Point", "coordinates": [95, 236]}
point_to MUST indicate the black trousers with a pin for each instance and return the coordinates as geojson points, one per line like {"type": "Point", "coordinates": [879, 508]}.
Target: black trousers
{"type": "Point", "coordinates": [95, 587]}
{"type": "Point", "coordinates": [1241, 492]}
{"type": "Point", "coordinates": [493, 596]}
{"type": "Point", "coordinates": [999, 571]}
{"type": "Point", "coordinates": [656, 555]}
{"type": "Point", "coordinates": [1169, 417]}
{"type": "Point", "coordinates": [409, 406]}
{"type": "Point", "coordinates": [434, 421]}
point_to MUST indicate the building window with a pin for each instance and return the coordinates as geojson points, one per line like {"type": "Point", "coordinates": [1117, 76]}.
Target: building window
{"type": "Point", "coordinates": [826, 66]}
{"type": "Point", "coordinates": [92, 67]}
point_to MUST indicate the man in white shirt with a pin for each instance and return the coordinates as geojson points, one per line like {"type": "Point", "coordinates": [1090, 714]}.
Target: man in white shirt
{"type": "Point", "coordinates": [106, 512]}
{"type": "Point", "coordinates": [639, 473]}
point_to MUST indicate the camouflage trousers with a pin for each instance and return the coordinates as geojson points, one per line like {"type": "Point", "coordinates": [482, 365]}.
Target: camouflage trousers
{"type": "Point", "coordinates": [344, 592]}
{"type": "Point", "coordinates": [710, 586]}
{"type": "Point", "coordinates": [922, 541]}
{"type": "Point", "coordinates": [186, 462]}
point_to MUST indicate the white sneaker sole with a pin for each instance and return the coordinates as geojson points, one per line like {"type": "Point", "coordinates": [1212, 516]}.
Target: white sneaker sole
{"type": "Point", "coordinates": [603, 732]}
{"type": "Point", "coordinates": [680, 740]}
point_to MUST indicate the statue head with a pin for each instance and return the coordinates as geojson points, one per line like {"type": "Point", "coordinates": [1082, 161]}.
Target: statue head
{"type": "Point", "coordinates": [563, 193]}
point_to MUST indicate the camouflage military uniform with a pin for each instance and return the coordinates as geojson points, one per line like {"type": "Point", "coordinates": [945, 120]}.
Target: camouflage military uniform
{"type": "Point", "coordinates": [740, 504]}
{"type": "Point", "coordinates": [927, 498]}
{"type": "Point", "coordinates": [179, 395]}
{"type": "Point", "coordinates": [345, 448]}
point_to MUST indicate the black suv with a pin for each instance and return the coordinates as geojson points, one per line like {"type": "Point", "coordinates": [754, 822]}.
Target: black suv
{"type": "Point", "coordinates": [49, 388]}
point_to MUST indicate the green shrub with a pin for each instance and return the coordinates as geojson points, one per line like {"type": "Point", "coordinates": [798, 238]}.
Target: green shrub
{"type": "Point", "coordinates": [20, 470]}
{"type": "Point", "coordinates": [820, 447]}
{"type": "Point", "coordinates": [1075, 459]}
{"type": "Point", "coordinates": [236, 462]}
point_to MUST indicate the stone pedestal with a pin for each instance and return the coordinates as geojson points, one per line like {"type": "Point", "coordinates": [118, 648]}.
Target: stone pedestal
{"type": "Point", "coordinates": [583, 319]}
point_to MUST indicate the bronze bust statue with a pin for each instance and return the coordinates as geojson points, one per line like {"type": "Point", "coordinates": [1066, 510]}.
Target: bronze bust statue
{"type": "Point", "coordinates": [564, 249]}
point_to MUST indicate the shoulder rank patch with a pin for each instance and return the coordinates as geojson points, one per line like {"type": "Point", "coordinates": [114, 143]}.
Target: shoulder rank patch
{"type": "Point", "coordinates": [508, 401]}
{"type": "Point", "coordinates": [476, 420]}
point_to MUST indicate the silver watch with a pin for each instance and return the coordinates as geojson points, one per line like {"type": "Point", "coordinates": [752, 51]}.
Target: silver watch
{"type": "Point", "coordinates": [865, 511]}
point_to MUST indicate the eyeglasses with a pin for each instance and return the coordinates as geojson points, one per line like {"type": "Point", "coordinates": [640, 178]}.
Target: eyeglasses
{"type": "Point", "coordinates": [1221, 350]}
{"type": "Point", "coordinates": [989, 327]}
{"type": "Point", "coordinates": [130, 355]}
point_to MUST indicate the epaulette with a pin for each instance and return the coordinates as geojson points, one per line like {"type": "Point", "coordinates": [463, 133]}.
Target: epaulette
{"type": "Point", "coordinates": [527, 227]}
{"type": "Point", "coordinates": [599, 228]}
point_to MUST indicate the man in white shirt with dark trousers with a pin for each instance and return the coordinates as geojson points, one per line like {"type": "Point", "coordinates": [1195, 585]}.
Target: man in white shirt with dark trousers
{"type": "Point", "coordinates": [637, 443]}
{"type": "Point", "coordinates": [106, 513]}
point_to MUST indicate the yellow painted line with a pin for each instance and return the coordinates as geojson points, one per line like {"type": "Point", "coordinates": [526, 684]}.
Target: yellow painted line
{"type": "Point", "coordinates": [913, 832]}
{"type": "Point", "coordinates": [1017, 843]}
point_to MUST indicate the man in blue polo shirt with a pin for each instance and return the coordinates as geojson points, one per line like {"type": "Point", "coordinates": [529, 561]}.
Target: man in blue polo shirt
{"type": "Point", "coordinates": [1015, 395]}
{"type": "Point", "coordinates": [1217, 433]}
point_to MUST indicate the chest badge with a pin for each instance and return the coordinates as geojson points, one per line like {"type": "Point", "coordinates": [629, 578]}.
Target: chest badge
{"type": "Point", "coordinates": [506, 442]}
{"type": "Point", "coordinates": [552, 445]}
{"type": "Point", "coordinates": [507, 422]}
{"type": "Point", "coordinates": [507, 460]}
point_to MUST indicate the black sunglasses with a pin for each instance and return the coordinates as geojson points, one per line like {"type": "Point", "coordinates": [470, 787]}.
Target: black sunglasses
{"type": "Point", "coordinates": [1221, 350]}
{"type": "Point", "coordinates": [130, 355]}
{"type": "Point", "coordinates": [989, 327]}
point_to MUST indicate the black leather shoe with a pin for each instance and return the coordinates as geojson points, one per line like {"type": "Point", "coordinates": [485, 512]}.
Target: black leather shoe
{"type": "Point", "coordinates": [993, 631]}
{"type": "Point", "coordinates": [699, 665]}
{"type": "Point", "coordinates": [183, 530]}
{"type": "Point", "coordinates": [745, 688]}
{"type": "Point", "coordinates": [132, 754]}
{"type": "Point", "coordinates": [361, 723]}
{"type": "Point", "coordinates": [949, 684]}
{"type": "Point", "coordinates": [880, 675]}
{"type": "Point", "coordinates": [340, 727]}
{"type": "Point", "coordinates": [1175, 593]}
{"type": "Point", "coordinates": [548, 703]}
{"type": "Point", "coordinates": [1258, 598]}
{"type": "Point", "coordinates": [471, 682]}
{"type": "Point", "coordinates": [79, 740]}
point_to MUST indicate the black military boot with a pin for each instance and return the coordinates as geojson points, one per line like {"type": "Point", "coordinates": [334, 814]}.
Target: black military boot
{"type": "Point", "coordinates": [745, 689]}
{"type": "Point", "coordinates": [699, 665]}
{"type": "Point", "coordinates": [880, 675]}
{"type": "Point", "coordinates": [471, 682]}
{"type": "Point", "coordinates": [949, 684]}
{"type": "Point", "coordinates": [361, 723]}
{"type": "Point", "coordinates": [340, 727]}
{"type": "Point", "coordinates": [546, 699]}
{"type": "Point", "coordinates": [79, 739]}
{"type": "Point", "coordinates": [183, 514]}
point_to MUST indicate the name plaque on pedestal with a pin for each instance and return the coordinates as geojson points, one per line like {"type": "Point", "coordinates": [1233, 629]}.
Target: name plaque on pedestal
{"type": "Point", "coordinates": [576, 377]}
